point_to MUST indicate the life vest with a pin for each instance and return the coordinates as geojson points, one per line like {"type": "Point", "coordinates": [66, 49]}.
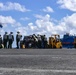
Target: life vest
{"type": "Point", "coordinates": [39, 38]}
{"type": "Point", "coordinates": [35, 38]}
{"type": "Point", "coordinates": [10, 36]}
{"type": "Point", "coordinates": [19, 36]}
{"type": "Point", "coordinates": [5, 36]}
{"type": "Point", "coordinates": [45, 39]}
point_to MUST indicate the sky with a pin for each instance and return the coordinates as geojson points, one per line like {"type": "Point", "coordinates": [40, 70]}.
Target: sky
{"type": "Point", "coordinates": [38, 17]}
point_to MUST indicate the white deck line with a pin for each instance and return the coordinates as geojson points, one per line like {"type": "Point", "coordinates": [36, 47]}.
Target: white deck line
{"type": "Point", "coordinates": [37, 70]}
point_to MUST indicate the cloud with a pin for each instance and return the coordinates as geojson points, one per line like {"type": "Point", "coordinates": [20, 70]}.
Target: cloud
{"type": "Point", "coordinates": [6, 20]}
{"type": "Point", "coordinates": [13, 6]}
{"type": "Point", "coordinates": [22, 30]}
{"type": "Point", "coordinates": [9, 24]}
{"type": "Point", "coordinates": [1, 32]}
{"type": "Point", "coordinates": [48, 9]}
{"type": "Point", "coordinates": [45, 25]}
{"type": "Point", "coordinates": [42, 25]}
{"type": "Point", "coordinates": [68, 4]}
{"type": "Point", "coordinates": [68, 24]}
{"type": "Point", "coordinates": [46, 17]}
{"type": "Point", "coordinates": [24, 18]}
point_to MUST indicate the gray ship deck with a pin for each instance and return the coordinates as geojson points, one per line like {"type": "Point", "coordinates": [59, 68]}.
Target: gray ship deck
{"type": "Point", "coordinates": [37, 61]}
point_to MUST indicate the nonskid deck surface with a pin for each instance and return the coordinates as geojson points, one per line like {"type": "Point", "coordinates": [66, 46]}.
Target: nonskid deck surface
{"type": "Point", "coordinates": [37, 61]}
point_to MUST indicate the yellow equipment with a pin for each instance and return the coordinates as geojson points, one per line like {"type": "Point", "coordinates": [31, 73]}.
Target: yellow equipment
{"type": "Point", "coordinates": [54, 41]}
{"type": "Point", "coordinates": [23, 46]}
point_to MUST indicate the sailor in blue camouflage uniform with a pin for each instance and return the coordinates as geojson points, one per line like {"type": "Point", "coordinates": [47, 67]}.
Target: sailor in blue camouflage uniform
{"type": "Point", "coordinates": [5, 39]}
{"type": "Point", "coordinates": [18, 38]}
{"type": "Point", "coordinates": [10, 39]}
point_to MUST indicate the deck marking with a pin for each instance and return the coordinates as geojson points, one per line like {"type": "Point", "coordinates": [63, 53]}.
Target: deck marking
{"type": "Point", "coordinates": [37, 70]}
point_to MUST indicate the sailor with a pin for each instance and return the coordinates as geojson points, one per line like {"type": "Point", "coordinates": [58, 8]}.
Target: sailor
{"type": "Point", "coordinates": [10, 39]}
{"type": "Point", "coordinates": [39, 41]}
{"type": "Point", "coordinates": [5, 39]}
{"type": "Point", "coordinates": [35, 41]}
{"type": "Point", "coordinates": [1, 45]}
{"type": "Point", "coordinates": [25, 41]}
{"type": "Point", "coordinates": [18, 38]}
{"type": "Point", "coordinates": [45, 41]}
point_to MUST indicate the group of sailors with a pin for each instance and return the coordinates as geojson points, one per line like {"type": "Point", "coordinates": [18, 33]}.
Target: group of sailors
{"type": "Point", "coordinates": [35, 41]}
{"type": "Point", "coordinates": [31, 41]}
{"type": "Point", "coordinates": [8, 40]}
